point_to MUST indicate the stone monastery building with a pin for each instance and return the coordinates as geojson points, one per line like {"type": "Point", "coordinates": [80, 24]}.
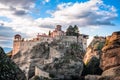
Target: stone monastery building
{"type": "Point", "coordinates": [20, 44]}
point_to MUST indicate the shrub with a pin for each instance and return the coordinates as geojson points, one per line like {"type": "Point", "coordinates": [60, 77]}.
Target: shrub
{"type": "Point", "coordinates": [36, 78]}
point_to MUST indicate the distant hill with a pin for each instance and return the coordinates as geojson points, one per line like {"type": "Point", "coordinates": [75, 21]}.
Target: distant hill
{"type": "Point", "coordinates": [6, 49]}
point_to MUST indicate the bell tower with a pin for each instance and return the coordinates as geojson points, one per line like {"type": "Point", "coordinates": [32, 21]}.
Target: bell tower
{"type": "Point", "coordinates": [16, 44]}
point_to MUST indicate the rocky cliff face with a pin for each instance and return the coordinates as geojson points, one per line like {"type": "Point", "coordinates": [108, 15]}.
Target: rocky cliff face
{"type": "Point", "coordinates": [68, 67]}
{"type": "Point", "coordinates": [8, 69]}
{"type": "Point", "coordinates": [92, 57]}
{"type": "Point", "coordinates": [58, 59]}
{"type": "Point", "coordinates": [110, 60]}
{"type": "Point", "coordinates": [27, 60]}
{"type": "Point", "coordinates": [94, 49]}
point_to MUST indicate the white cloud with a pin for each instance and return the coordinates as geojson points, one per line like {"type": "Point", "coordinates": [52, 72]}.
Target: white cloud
{"type": "Point", "coordinates": [84, 14]}
{"type": "Point", "coordinates": [90, 13]}
{"type": "Point", "coordinates": [47, 0]}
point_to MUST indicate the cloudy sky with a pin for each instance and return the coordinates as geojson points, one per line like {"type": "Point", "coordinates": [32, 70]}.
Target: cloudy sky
{"type": "Point", "coordinates": [29, 17]}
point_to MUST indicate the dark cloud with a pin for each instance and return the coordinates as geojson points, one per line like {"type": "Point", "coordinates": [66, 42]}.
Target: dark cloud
{"type": "Point", "coordinates": [23, 3]}
{"type": "Point", "coordinates": [47, 26]}
{"type": "Point", "coordinates": [98, 19]}
{"type": "Point", "coordinates": [18, 7]}
{"type": "Point", "coordinates": [85, 14]}
{"type": "Point", "coordinates": [6, 42]}
{"type": "Point", "coordinates": [20, 12]}
{"type": "Point", "coordinates": [104, 23]}
{"type": "Point", "coordinates": [12, 8]}
{"type": "Point", "coordinates": [8, 33]}
{"type": "Point", "coordinates": [15, 11]}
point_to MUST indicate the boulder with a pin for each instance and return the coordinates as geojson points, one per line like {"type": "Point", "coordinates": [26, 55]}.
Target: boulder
{"type": "Point", "coordinates": [115, 71]}
{"type": "Point", "coordinates": [109, 78]}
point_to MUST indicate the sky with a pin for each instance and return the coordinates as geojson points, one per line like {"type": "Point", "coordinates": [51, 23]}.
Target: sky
{"type": "Point", "coordinates": [29, 17]}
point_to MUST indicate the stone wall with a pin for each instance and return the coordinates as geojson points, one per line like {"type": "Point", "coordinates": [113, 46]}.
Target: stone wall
{"type": "Point", "coordinates": [65, 40]}
{"type": "Point", "coordinates": [26, 45]}
{"type": "Point", "coordinates": [39, 72]}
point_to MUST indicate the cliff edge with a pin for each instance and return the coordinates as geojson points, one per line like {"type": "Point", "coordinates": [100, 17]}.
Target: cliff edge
{"type": "Point", "coordinates": [8, 69]}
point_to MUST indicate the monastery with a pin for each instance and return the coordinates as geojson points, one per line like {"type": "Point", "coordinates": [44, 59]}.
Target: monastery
{"type": "Point", "coordinates": [20, 44]}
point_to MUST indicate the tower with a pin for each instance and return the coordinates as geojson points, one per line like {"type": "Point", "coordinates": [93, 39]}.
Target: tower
{"type": "Point", "coordinates": [16, 43]}
{"type": "Point", "coordinates": [57, 32]}
{"type": "Point", "coordinates": [58, 28]}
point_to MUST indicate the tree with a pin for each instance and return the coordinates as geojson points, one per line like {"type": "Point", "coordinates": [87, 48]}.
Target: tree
{"type": "Point", "coordinates": [76, 32]}
{"type": "Point", "coordinates": [49, 33]}
{"type": "Point", "coordinates": [72, 31]}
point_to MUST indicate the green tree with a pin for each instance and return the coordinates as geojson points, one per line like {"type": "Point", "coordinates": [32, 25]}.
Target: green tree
{"type": "Point", "coordinates": [72, 31]}
{"type": "Point", "coordinates": [76, 30]}
{"type": "Point", "coordinates": [69, 31]}
{"type": "Point", "coordinates": [49, 33]}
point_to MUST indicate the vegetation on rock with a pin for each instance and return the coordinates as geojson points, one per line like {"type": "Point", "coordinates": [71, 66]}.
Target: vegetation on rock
{"type": "Point", "coordinates": [8, 69]}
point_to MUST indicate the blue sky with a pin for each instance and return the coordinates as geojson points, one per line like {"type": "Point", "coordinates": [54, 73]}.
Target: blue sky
{"type": "Point", "coordinates": [29, 17]}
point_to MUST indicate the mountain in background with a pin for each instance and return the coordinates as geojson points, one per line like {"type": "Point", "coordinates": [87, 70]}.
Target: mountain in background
{"type": "Point", "coordinates": [7, 49]}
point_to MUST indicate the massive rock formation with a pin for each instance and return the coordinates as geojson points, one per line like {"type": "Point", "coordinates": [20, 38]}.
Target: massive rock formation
{"type": "Point", "coordinates": [27, 60]}
{"type": "Point", "coordinates": [68, 67]}
{"type": "Point", "coordinates": [58, 58]}
{"type": "Point", "coordinates": [94, 49]}
{"type": "Point", "coordinates": [92, 57]}
{"type": "Point", "coordinates": [8, 69]}
{"type": "Point", "coordinates": [110, 60]}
